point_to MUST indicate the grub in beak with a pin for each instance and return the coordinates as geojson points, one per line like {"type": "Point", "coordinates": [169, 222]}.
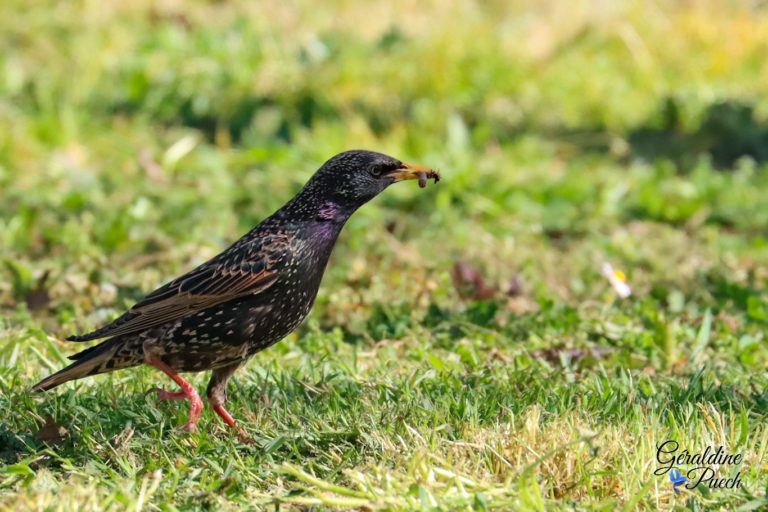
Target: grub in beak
{"type": "Point", "coordinates": [415, 172]}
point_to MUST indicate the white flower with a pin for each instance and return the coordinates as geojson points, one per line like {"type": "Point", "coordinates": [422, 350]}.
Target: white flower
{"type": "Point", "coordinates": [618, 280]}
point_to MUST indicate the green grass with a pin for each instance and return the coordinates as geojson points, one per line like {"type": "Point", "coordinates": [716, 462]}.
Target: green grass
{"type": "Point", "coordinates": [140, 139]}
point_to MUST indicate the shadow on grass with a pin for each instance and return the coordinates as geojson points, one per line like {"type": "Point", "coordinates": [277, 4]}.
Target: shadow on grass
{"type": "Point", "coordinates": [13, 447]}
{"type": "Point", "coordinates": [729, 130]}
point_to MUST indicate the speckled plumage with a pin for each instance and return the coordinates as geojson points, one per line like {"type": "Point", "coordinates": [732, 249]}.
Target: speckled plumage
{"type": "Point", "coordinates": [246, 298]}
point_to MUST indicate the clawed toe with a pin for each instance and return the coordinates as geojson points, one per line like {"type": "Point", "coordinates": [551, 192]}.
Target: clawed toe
{"type": "Point", "coordinates": [162, 394]}
{"type": "Point", "coordinates": [243, 436]}
{"type": "Point", "coordinates": [188, 428]}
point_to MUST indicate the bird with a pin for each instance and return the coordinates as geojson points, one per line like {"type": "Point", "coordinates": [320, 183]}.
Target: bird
{"type": "Point", "coordinates": [245, 299]}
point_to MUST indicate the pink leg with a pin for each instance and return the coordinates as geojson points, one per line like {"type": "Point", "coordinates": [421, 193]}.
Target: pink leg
{"type": "Point", "coordinates": [228, 419]}
{"type": "Point", "coordinates": [187, 391]}
{"type": "Point", "coordinates": [217, 395]}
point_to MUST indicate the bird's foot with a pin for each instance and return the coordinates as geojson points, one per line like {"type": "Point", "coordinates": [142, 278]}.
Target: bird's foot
{"type": "Point", "coordinates": [188, 392]}
{"type": "Point", "coordinates": [162, 394]}
{"type": "Point", "coordinates": [195, 409]}
{"type": "Point", "coordinates": [195, 406]}
{"type": "Point", "coordinates": [242, 435]}
{"type": "Point", "coordinates": [188, 427]}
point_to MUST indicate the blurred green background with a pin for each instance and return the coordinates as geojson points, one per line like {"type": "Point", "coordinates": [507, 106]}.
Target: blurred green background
{"type": "Point", "coordinates": [465, 350]}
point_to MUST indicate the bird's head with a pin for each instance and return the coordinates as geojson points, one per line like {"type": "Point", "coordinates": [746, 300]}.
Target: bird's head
{"type": "Point", "coordinates": [352, 178]}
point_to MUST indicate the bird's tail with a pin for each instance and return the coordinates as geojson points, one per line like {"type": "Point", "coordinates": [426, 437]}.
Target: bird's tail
{"type": "Point", "coordinates": [93, 360]}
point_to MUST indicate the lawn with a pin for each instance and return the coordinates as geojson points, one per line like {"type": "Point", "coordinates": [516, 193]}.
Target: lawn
{"type": "Point", "coordinates": [466, 351]}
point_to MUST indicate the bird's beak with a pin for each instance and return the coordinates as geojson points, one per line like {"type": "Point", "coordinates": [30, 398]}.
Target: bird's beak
{"type": "Point", "coordinates": [414, 172]}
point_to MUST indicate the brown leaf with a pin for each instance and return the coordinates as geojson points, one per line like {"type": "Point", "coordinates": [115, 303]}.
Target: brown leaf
{"type": "Point", "coordinates": [470, 283]}
{"type": "Point", "coordinates": [38, 298]}
{"type": "Point", "coordinates": [51, 432]}
{"type": "Point", "coordinates": [515, 288]}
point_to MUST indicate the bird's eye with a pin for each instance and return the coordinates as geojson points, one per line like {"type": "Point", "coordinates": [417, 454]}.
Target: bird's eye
{"type": "Point", "coordinates": [377, 171]}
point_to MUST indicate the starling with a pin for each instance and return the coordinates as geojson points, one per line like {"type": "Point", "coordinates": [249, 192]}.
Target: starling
{"type": "Point", "coordinates": [245, 299]}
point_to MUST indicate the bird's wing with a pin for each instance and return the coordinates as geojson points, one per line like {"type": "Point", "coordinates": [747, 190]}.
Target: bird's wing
{"type": "Point", "coordinates": [219, 280]}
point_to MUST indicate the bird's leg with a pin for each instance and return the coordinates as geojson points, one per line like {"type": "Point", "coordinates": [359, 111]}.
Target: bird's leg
{"type": "Point", "coordinates": [187, 392]}
{"type": "Point", "coordinates": [217, 395]}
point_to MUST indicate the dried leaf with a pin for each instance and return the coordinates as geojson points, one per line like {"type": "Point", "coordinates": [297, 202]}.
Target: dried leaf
{"type": "Point", "coordinates": [515, 288]}
{"type": "Point", "coordinates": [38, 298]}
{"type": "Point", "coordinates": [470, 283]}
{"type": "Point", "coordinates": [51, 432]}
